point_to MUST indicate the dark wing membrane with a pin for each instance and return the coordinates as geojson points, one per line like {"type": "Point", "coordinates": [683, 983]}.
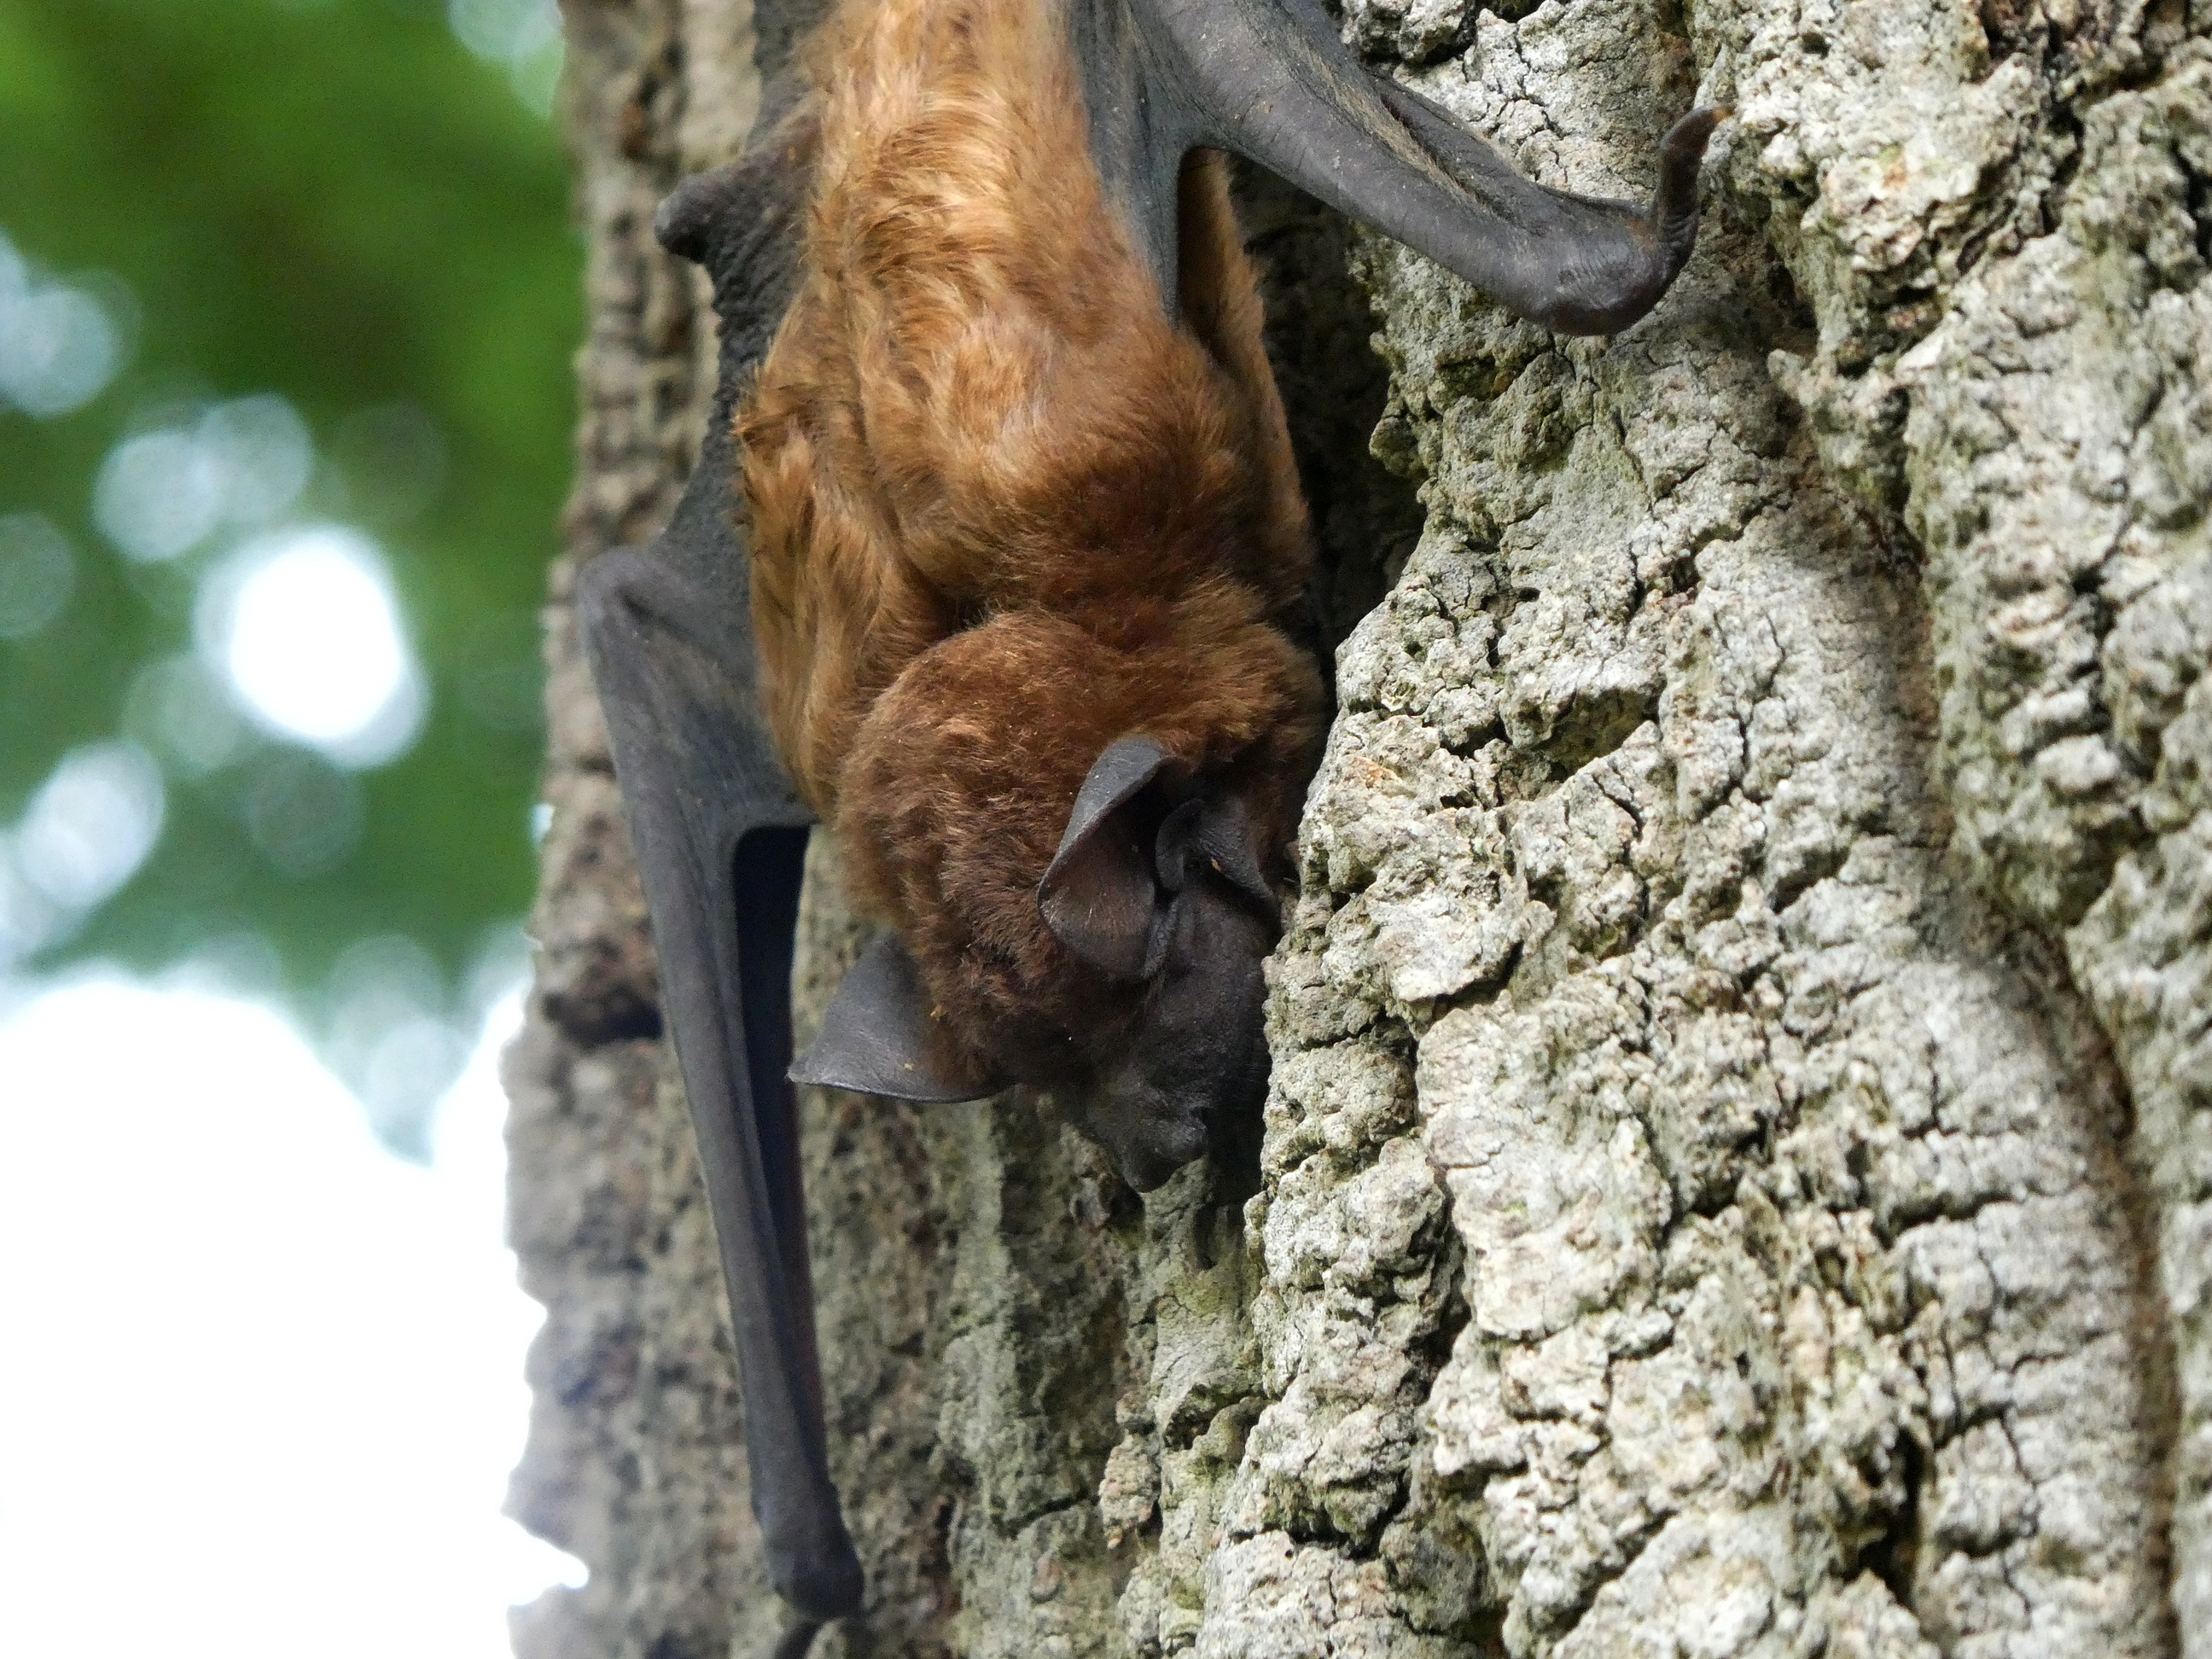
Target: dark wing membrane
{"type": "Point", "coordinates": [1271, 80]}
{"type": "Point", "coordinates": [720, 835]}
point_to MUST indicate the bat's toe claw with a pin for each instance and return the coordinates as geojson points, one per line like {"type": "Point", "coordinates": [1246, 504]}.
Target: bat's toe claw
{"type": "Point", "coordinates": [1602, 280]}
{"type": "Point", "coordinates": [1685, 140]}
{"type": "Point", "coordinates": [1681, 153]}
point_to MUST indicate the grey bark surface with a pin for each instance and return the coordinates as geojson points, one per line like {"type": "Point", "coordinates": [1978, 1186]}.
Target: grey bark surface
{"type": "Point", "coordinates": [1738, 1173]}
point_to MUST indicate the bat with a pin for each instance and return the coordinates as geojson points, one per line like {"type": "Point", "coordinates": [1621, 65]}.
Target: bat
{"type": "Point", "coordinates": [1008, 607]}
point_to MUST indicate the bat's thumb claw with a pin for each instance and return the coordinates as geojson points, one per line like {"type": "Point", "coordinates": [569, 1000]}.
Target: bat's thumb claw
{"type": "Point", "coordinates": [688, 222]}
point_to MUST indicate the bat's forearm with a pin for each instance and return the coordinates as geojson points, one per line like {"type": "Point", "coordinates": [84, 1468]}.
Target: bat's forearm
{"type": "Point", "coordinates": [1270, 79]}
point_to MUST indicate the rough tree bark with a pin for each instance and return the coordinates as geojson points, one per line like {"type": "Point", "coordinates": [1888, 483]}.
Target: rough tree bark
{"type": "Point", "coordinates": [1738, 1175]}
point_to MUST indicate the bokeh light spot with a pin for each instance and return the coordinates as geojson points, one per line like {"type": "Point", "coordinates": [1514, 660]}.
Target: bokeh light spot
{"type": "Point", "coordinates": [91, 825]}
{"type": "Point", "coordinates": [389, 1039]}
{"type": "Point", "coordinates": [58, 346]}
{"type": "Point", "coordinates": [243, 464]}
{"type": "Point", "coordinates": [157, 496]}
{"type": "Point", "coordinates": [501, 31]}
{"type": "Point", "coordinates": [263, 454]}
{"type": "Point", "coordinates": [522, 35]}
{"type": "Point", "coordinates": [501, 683]}
{"type": "Point", "coordinates": [305, 625]}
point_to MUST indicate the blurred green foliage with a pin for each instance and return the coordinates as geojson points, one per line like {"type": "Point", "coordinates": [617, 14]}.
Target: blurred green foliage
{"type": "Point", "coordinates": [333, 201]}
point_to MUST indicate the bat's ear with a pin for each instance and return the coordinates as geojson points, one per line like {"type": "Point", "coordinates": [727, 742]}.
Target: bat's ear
{"type": "Point", "coordinates": [878, 1037]}
{"type": "Point", "coordinates": [1099, 892]}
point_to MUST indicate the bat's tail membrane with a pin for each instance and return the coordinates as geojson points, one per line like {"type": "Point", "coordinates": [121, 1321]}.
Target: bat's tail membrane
{"type": "Point", "coordinates": [1270, 80]}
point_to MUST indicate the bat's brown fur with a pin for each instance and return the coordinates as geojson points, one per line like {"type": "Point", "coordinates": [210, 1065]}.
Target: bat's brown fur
{"type": "Point", "coordinates": [1008, 507]}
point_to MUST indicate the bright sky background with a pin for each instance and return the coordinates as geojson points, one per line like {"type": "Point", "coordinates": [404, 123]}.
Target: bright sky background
{"type": "Point", "coordinates": [263, 1381]}
{"type": "Point", "coordinates": [260, 1381]}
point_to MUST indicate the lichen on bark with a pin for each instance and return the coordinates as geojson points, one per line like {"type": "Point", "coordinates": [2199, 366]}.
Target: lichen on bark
{"type": "Point", "coordinates": [1734, 1179]}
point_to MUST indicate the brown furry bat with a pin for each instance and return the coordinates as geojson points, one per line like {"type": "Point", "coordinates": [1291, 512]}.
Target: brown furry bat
{"type": "Point", "coordinates": [1011, 506]}
{"type": "Point", "coordinates": [1024, 537]}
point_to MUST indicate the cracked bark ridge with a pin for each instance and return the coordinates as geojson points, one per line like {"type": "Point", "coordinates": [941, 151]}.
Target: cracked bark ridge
{"type": "Point", "coordinates": [1735, 1177]}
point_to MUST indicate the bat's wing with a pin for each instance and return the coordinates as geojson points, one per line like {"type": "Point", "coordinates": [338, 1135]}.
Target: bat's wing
{"type": "Point", "coordinates": [1271, 80]}
{"type": "Point", "coordinates": [720, 835]}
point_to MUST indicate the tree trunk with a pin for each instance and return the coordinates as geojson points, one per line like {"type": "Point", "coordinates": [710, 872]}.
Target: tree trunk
{"type": "Point", "coordinates": [1738, 1173]}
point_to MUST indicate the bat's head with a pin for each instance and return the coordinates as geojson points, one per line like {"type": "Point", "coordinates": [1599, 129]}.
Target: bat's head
{"type": "Point", "coordinates": [1157, 905]}
{"type": "Point", "coordinates": [1158, 888]}
{"type": "Point", "coordinates": [1078, 845]}
{"type": "Point", "coordinates": [1156, 914]}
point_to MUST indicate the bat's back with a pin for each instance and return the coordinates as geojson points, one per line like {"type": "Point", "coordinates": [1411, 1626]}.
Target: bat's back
{"type": "Point", "coordinates": [1009, 502]}
{"type": "Point", "coordinates": [979, 401]}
